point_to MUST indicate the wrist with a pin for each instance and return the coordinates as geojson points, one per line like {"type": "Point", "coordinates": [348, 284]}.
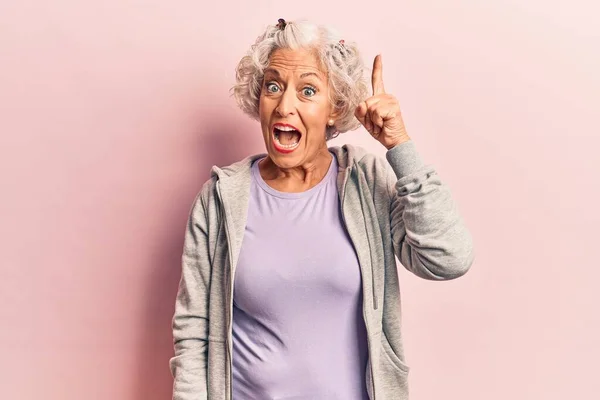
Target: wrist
{"type": "Point", "coordinates": [397, 142]}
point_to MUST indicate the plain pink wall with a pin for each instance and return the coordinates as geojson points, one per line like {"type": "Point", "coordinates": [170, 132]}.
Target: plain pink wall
{"type": "Point", "coordinates": [113, 112]}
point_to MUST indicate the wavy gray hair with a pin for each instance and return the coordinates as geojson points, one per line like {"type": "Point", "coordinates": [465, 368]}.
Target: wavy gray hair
{"type": "Point", "coordinates": [342, 61]}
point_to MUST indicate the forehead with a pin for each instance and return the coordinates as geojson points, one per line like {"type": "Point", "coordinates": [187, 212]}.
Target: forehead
{"type": "Point", "coordinates": [295, 62]}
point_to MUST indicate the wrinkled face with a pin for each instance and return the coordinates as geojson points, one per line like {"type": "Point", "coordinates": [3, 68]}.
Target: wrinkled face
{"type": "Point", "coordinates": [294, 107]}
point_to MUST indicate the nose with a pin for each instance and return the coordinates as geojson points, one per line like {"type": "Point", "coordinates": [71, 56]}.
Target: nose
{"type": "Point", "coordinates": [287, 103]}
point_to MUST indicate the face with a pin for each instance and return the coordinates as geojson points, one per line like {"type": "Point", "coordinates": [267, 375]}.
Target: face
{"type": "Point", "coordinates": [294, 108]}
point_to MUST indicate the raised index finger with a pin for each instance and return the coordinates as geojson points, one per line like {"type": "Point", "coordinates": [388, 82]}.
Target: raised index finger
{"type": "Point", "coordinates": [377, 77]}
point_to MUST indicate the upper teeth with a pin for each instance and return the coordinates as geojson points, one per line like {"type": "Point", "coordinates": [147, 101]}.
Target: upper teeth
{"type": "Point", "coordinates": [285, 128]}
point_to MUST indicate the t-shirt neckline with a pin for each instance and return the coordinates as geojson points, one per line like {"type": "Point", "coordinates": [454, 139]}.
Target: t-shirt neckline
{"type": "Point", "coordinates": [292, 195]}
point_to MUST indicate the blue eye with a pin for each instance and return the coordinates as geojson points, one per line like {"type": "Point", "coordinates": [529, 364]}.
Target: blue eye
{"type": "Point", "coordinates": [309, 91]}
{"type": "Point", "coordinates": [272, 87]}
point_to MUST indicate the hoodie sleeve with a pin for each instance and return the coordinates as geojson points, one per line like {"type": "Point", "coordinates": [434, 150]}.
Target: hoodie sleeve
{"type": "Point", "coordinates": [190, 321]}
{"type": "Point", "coordinates": [429, 236]}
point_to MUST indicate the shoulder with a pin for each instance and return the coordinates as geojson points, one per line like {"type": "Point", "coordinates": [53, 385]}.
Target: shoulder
{"type": "Point", "coordinates": [234, 175]}
{"type": "Point", "coordinates": [350, 155]}
{"type": "Point", "coordinates": [372, 165]}
{"type": "Point", "coordinates": [203, 198]}
{"type": "Point", "coordinates": [371, 169]}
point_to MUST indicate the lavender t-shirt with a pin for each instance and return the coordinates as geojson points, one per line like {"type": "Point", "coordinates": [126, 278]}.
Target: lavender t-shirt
{"type": "Point", "coordinates": [298, 330]}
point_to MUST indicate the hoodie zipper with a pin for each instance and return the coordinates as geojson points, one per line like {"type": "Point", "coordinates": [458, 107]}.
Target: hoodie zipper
{"type": "Point", "coordinates": [349, 173]}
{"type": "Point", "coordinates": [230, 294]}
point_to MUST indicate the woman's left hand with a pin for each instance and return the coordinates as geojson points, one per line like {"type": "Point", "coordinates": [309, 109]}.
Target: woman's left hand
{"type": "Point", "coordinates": [380, 114]}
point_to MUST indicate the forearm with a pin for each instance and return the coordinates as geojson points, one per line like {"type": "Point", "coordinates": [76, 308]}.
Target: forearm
{"type": "Point", "coordinates": [429, 235]}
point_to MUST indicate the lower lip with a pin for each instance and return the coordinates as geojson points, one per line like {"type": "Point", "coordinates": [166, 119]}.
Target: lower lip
{"type": "Point", "coordinates": [283, 149]}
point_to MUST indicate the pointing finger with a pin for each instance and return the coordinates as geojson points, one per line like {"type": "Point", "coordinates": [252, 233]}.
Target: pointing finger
{"type": "Point", "coordinates": [377, 77]}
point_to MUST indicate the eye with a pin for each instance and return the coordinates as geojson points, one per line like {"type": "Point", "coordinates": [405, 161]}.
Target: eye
{"type": "Point", "coordinates": [309, 91]}
{"type": "Point", "coordinates": [272, 87]}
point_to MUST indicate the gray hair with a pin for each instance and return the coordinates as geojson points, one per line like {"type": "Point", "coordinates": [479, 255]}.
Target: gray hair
{"type": "Point", "coordinates": [342, 61]}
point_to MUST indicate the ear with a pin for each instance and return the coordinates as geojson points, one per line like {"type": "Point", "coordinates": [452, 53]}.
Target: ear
{"type": "Point", "coordinates": [335, 113]}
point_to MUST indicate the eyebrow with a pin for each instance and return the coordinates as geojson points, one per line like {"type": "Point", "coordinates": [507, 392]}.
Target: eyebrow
{"type": "Point", "coordinates": [304, 75]}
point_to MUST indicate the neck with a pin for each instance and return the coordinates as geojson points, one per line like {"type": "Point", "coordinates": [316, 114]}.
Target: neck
{"type": "Point", "coordinates": [299, 178]}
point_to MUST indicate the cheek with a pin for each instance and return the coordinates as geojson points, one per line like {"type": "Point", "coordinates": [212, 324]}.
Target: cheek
{"type": "Point", "coordinates": [264, 110]}
{"type": "Point", "coordinates": [316, 117]}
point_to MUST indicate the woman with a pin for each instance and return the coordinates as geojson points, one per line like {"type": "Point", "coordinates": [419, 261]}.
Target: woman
{"type": "Point", "coordinates": [289, 285]}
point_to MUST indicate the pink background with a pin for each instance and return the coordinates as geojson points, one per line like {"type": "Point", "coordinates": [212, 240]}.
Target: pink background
{"type": "Point", "coordinates": [113, 112]}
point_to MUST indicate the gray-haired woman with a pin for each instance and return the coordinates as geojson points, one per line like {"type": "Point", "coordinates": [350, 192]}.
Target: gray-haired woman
{"type": "Point", "coordinates": [289, 285]}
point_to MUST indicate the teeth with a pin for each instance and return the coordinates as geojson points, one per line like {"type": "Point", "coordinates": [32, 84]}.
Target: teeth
{"type": "Point", "coordinates": [286, 146]}
{"type": "Point", "coordinates": [285, 128]}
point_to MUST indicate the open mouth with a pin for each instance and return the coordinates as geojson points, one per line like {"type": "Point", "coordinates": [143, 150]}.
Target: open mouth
{"type": "Point", "coordinates": [286, 138]}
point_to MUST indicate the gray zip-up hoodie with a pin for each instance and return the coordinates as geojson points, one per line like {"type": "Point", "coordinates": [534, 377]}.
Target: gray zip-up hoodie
{"type": "Point", "coordinates": [405, 211]}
